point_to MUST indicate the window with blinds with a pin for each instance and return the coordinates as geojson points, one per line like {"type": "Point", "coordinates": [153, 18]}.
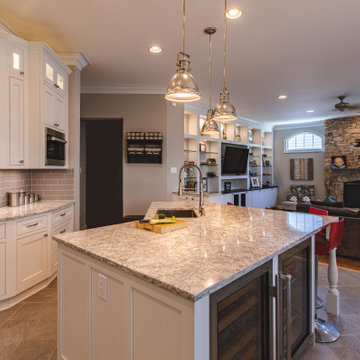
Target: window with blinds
{"type": "Point", "coordinates": [304, 141]}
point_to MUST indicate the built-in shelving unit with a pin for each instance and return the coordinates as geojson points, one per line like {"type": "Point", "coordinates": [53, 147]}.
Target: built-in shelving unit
{"type": "Point", "coordinates": [205, 151]}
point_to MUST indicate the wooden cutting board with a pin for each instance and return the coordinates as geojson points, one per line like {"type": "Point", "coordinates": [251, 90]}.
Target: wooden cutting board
{"type": "Point", "coordinates": [162, 228]}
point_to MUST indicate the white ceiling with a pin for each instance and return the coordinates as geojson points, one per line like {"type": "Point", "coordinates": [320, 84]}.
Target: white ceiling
{"type": "Point", "coordinates": [307, 49]}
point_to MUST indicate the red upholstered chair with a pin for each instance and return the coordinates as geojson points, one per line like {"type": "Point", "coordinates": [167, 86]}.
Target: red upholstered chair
{"type": "Point", "coordinates": [335, 238]}
{"type": "Point", "coordinates": [229, 203]}
{"type": "Point", "coordinates": [321, 235]}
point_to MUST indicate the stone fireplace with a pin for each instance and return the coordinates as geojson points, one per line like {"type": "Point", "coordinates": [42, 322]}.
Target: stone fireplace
{"type": "Point", "coordinates": [340, 139]}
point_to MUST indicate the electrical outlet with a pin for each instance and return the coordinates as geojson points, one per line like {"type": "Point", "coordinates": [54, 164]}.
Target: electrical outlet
{"type": "Point", "coordinates": [102, 287]}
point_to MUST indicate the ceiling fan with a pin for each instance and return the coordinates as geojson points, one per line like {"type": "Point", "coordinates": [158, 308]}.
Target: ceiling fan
{"type": "Point", "coordinates": [343, 105]}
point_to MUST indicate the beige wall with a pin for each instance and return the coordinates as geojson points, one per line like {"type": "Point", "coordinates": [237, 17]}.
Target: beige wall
{"type": "Point", "coordinates": [143, 183]}
{"type": "Point", "coordinates": [282, 163]}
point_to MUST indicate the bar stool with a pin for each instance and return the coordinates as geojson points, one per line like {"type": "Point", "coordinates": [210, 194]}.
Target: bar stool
{"type": "Point", "coordinates": [324, 331]}
{"type": "Point", "coordinates": [321, 235]}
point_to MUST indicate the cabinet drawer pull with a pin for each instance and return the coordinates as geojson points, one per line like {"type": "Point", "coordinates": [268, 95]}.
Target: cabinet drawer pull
{"type": "Point", "coordinates": [56, 124]}
{"type": "Point", "coordinates": [32, 225]}
{"type": "Point", "coordinates": [21, 161]}
{"type": "Point", "coordinates": [56, 85]}
{"type": "Point", "coordinates": [63, 231]}
{"type": "Point", "coordinates": [22, 73]}
{"type": "Point", "coordinates": [63, 214]}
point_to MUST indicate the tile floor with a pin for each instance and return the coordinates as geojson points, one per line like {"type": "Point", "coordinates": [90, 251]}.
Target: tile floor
{"type": "Point", "coordinates": [28, 330]}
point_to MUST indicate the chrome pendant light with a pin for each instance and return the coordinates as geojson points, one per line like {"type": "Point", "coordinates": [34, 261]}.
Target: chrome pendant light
{"type": "Point", "coordinates": [182, 86]}
{"type": "Point", "coordinates": [210, 126]}
{"type": "Point", "coordinates": [225, 110]}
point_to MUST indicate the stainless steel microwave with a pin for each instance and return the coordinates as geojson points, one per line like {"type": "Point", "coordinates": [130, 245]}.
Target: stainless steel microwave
{"type": "Point", "coordinates": [55, 148]}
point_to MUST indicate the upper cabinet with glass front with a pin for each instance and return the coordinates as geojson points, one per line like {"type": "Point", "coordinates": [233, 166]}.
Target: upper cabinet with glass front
{"type": "Point", "coordinates": [48, 97]}
{"type": "Point", "coordinates": [54, 75]}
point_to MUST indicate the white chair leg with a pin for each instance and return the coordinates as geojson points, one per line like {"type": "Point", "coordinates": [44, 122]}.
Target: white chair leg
{"type": "Point", "coordinates": [333, 296]}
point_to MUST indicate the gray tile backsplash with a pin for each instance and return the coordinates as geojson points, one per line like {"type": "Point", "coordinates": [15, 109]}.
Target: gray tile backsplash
{"type": "Point", "coordinates": [49, 184]}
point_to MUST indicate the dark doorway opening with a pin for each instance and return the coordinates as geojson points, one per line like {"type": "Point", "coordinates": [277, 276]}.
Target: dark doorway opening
{"type": "Point", "coordinates": [103, 145]}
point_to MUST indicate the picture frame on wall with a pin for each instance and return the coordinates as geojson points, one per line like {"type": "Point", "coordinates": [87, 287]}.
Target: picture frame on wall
{"type": "Point", "coordinates": [338, 162]}
{"type": "Point", "coordinates": [255, 183]}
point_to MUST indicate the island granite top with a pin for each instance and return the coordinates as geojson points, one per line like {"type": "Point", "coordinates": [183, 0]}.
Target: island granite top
{"type": "Point", "coordinates": [36, 208]}
{"type": "Point", "coordinates": [213, 251]}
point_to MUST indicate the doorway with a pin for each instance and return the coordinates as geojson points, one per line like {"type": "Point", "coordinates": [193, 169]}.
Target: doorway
{"type": "Point", "coordinates": [102, 172]}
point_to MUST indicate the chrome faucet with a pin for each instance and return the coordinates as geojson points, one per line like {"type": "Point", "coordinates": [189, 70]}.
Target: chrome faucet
{"type": "Point", "coordinates": [201, 187]}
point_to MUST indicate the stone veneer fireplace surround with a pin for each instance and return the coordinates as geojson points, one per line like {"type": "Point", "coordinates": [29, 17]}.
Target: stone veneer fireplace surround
{"type": "Point", "coordinates": [340, 139]}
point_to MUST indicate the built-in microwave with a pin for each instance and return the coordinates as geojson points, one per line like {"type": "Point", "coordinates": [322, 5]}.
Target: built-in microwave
{"type": "Point", "coordinates": [55, 148]}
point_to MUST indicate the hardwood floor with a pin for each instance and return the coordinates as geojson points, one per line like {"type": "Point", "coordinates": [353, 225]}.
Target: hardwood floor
{"type": "Point", "coordinates": [28, 330]}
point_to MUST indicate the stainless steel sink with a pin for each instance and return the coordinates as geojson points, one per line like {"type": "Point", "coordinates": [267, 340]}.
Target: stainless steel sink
{"type": "Point", "coordinates": [181, 213]}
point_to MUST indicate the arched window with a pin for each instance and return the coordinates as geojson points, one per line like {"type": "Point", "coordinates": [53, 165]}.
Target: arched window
{"type": "Point", "coordinates": [304, 141]}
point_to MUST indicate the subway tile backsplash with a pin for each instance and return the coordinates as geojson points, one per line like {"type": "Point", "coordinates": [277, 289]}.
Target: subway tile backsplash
{"type": "Point", "coordinates": [13, 180]}
{"type": "Point", "coordinates": [49, 184]}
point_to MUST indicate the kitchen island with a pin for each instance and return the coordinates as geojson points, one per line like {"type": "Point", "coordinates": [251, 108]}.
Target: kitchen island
{"type": "Point", "coordinates": [219, 289]}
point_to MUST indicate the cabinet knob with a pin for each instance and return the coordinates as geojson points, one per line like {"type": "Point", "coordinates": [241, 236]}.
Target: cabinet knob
{"type": "Point", "coordinates": [56, 85]}
{"type": "Point", "coordinates": [45, 235]}
{"type": "Point", "coordinates": [22, 73]}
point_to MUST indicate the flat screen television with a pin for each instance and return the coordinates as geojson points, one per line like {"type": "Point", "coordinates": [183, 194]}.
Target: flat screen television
{"type": "Point", "coordinates": [234, 159]}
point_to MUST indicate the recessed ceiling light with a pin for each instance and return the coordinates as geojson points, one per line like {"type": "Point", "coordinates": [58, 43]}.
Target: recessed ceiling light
{"type": "Point", "coordinates": [233, 13]}
{"type": "Point", "coordinates": [310, 111]}
{"type": "Point", "coordinates": [155, 49]}
{"type": "Point", "coordinates": [282, 97]}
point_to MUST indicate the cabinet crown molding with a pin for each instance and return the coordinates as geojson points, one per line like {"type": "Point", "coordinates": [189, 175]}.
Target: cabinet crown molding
{"type": "Point", "coordinates": [77, 59]}
{"type": "Point", "coordinates": [54, 56]}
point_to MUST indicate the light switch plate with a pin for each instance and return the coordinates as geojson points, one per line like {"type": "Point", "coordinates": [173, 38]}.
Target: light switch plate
{"type": "Point", "coordinates": [102, 287]}
{"type": "Point", "coordinates": [173, 170]}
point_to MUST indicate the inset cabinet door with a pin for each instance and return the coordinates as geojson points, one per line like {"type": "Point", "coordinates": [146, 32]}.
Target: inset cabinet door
{"type": "Point", "coordinates": [54, 109]}
{"type": "Point", "coordinates": [62, 229]}
{"type": "Point", "coordinates": [17, 121]}
{"type": "Point", "coordinates": [31, 259]}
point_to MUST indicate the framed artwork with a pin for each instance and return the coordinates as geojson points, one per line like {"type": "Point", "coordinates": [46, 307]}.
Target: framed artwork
{"type": "Point", "coordinates": [255, 182]}
{"type": "Point", "coordinates": [338, 162]}
{"type": "Point", "coordinates": [302, 169]}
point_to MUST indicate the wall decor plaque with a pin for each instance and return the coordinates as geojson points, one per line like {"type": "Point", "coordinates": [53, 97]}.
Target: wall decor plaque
{"type": "Point", "coordinates": [302, 169]}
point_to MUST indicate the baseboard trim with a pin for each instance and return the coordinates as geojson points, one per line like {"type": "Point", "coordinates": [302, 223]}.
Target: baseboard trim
{"type": "Point", "coordinates": [8, 303]}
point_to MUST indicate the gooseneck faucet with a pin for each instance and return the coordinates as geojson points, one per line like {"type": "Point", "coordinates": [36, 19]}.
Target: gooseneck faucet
{"type": "Point", "coordinates": [201, 187]}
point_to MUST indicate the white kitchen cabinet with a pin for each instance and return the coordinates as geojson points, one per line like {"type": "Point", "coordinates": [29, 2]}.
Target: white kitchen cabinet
{"type": "Point", "coordinates": [16, 121]}
{"type": "Point", "coordinates": [2, 260]}
{"type": "Point", "coordinates": [64, 228]}
{"type": "Point", "coordinates": [48, 94]}
{"type": "Point", "coordinates": [31, 259]}
{"type": "Point", "coordinates": [13, 103]}
{"type": "Point", "coordinates": [28, 255]}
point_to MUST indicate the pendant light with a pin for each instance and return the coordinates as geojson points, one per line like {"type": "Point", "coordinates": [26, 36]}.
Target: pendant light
{"type": "Point", "coordinates": [182, 86]}
{"type": "Point", "coordinates": [225, 110]}
{"type": "Point", "coordinates": [210, 126]}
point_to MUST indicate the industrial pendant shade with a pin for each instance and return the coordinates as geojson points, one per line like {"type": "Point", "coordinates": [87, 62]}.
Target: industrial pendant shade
{"type": "Point", "coordinates": [225, 110]}
{"type": "Point", "coordinates": [210, 126]}
{"type": "Point", "coordinates": [182, 86]}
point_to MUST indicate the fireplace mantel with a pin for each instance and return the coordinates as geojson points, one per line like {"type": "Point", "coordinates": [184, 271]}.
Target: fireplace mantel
{"type": "Point", "coordinates": [352, 170]}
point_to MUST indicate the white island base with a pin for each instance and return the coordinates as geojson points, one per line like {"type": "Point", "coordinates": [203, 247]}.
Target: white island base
{"type": "Point", "coordinates": [106, 313]}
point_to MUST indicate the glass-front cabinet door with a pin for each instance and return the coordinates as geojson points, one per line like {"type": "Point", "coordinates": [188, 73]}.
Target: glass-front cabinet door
{"type": "Point", "coordinates": [16, 61]}
{"type": "Point", "coordinates": [241, 314]}
{"type": "Point", "coordinates": [295, 300]}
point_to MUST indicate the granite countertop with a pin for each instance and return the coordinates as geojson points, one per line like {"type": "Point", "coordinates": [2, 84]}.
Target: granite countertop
{"type": "Point", "coordinates": [213, 251]}
{"type": "Point", "coordinates": [39, 207]}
